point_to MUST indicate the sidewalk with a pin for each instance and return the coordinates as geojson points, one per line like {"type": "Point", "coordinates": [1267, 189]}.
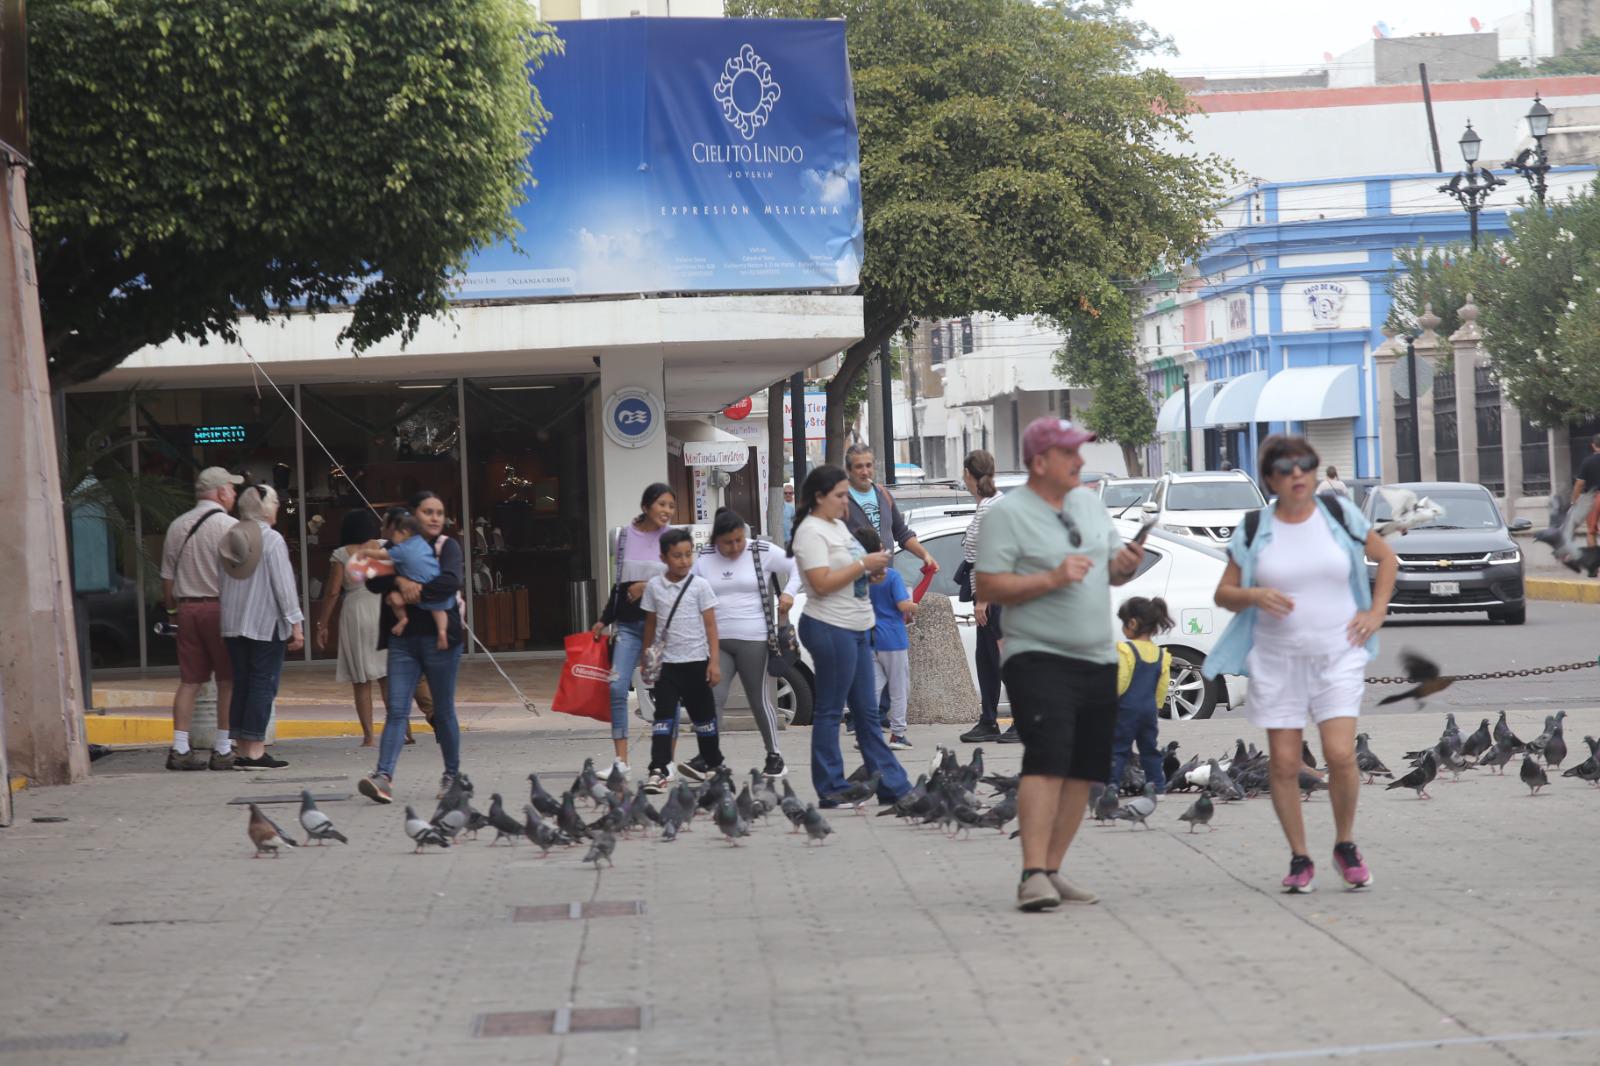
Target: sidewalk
{"type": "Point", "coordinates": [1546, 579]}
{"type": "Point", "coordinates": [140, 931]}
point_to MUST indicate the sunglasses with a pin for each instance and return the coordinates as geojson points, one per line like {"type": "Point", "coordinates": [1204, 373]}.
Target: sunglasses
{"type": "Point", "coordinates": [1285, 467]}
{"type": "Point", "coordinates": [1073, 536]}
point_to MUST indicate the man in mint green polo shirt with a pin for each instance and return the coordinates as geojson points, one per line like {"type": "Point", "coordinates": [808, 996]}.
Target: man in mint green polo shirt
{"type": "Point", "coordinates": [1050, 555]}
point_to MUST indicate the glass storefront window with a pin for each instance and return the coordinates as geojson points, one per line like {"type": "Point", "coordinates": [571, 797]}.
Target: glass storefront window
{"type": "Point", "coordinates": [529, 479]}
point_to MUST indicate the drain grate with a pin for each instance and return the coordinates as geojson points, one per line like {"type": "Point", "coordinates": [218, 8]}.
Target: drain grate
{"type": "Point", "coordinates": [62, 1042]}
{"type": "Point", "coordinates": [555, 912]}
{"type": "Point", "coordinates": [289, 797]}
{"type": "Point", "coordinates": [560, 1022]}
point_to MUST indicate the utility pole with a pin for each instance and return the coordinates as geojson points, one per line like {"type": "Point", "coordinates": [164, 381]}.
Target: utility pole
{"type": "Point", "coordinates": [797, 427]}
{"type": "Point", "coordinates": [775, 462]}
{"type": "Point", "coordinates": [1416, 421]}
{"type": "Point", "coordinates": [875, 412]}
{"type": "Point", "coordinates": [911, 395]}
{"type": "Point", "coordinates": [888, 413]}
{"type": "Point", "coordinates": [1188, 428]}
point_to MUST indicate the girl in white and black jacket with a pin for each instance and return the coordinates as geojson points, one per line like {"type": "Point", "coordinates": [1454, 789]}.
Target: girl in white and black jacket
{"type": "Point", "coordinates": [730, 567]}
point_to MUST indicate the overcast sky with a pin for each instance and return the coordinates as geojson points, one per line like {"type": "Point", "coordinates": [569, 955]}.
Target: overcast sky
{"type": "Point", "coordinates": [1223, 37]}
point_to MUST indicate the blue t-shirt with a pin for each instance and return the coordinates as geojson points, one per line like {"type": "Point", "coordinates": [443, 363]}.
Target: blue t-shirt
{"type": "Point", "coordinates": [414, 560]}
{"type": "Point", "coordinates": [868, 502]}
{"type": "Point", "coordinates": [889, 628]}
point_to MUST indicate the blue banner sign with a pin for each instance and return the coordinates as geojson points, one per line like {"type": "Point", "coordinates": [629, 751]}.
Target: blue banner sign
{"type": "Point", "coordinates": [688, 155]}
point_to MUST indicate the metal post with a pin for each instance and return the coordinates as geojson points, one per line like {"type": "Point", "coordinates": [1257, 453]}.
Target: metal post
{"type": "Point", "coordinates": [1411, 379]}
{"type": "Point", "coordinates": [797, 427]}
{"type": "Point", "coordinates": [1427, 104]}
{"type": "Point", "coordinates": [888, 414]}
{"type": "Point", "coordinates": [1472, 216]}
{"type": "Point", "coordinates": [1188, 428]}
{"type": "Point", "coordinates": [466, 506]}
{"type": "Point", "coordinates": [138, 539]}
{"type": "Point", "coordinates": [305, 549]}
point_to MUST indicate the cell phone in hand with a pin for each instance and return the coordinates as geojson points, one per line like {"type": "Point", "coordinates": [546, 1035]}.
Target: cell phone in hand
{"type": "Point", "coordinates": [1144, 530]}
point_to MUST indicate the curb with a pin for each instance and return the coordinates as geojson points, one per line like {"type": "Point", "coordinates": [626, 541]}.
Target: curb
{"type": "Point", "coordinates": [1561, 589]}
{"type": "Point", "coordinates": [133, 729]}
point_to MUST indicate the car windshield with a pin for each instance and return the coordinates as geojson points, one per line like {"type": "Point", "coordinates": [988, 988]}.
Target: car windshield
{"type": "Point", "coordinates": [1213, 496]}
{"type": "Point", "coordinates": [1462, 510]}
{"type": "Point", "coordinates": [1125, 493]}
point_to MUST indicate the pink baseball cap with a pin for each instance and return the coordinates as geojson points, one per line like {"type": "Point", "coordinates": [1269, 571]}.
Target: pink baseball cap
{"type": "Point", "coordinates": [1043, 434]}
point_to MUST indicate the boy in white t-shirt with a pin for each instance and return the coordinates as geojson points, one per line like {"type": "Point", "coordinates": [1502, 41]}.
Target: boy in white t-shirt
{"type": "Point", "coordinates": [682, 611]}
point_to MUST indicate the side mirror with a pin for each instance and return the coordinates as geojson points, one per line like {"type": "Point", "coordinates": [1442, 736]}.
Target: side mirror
{"type": "Point", "coordinates": [1149, 507]}
{"type": "Point", "coordinates": [1518, 525]}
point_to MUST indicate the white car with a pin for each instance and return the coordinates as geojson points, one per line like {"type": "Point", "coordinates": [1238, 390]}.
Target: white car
{"type": "Point", "coordinates": [1204, 506]}
{"type": "Point", "coordinates": [1179, 570]}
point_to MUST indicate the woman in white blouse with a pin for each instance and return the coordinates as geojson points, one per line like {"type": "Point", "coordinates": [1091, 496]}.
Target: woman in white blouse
{"type": "Point", "coordinates": [736, 568]}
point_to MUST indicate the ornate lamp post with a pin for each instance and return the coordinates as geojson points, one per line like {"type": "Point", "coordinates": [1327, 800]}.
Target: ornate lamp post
{"type": "Point", "coordinates": [1532, 163]}
{"type": "Point", "coordinates": [1471, 187]}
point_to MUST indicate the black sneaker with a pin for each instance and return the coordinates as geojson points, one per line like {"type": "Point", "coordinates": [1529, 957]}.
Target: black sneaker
{"type": "Point", "coordinates": [775, 767]}
{"type": "Point", "coordinates": [982, 733]}
{"type": "Point", "coordinates": [1009, 737]}
{"type": "Point", "coordinates": [265, 762]}
{"type": "Point", "coordinates": [695, 769]}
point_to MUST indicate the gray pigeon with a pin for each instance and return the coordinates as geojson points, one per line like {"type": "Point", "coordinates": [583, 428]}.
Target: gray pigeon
{"type": "Point", "coordinates": [544, 835]}
{"type": "Point", "coordinates": [542, 801]}
{"type": "Point", "coordinates": [730, 821]}
{"type": "Point", "coordinates": [318, 826]}
{"type": "Point", "coordinates": [817, 827]}
{"type": "Point", "coordinates": [1139, 808]}
{"type": "Point", "coordinates": [1220, 783]}
{"type": "Point", "coordinates": [1555, 749]}
{"type": "Point", "coordinates": [1479, 742]}
{"type": "Point", "coordinates": [1533, 775]}
{"type": "Point", "coordinates": [1505, 737]}
{"type": "Point", "coordinates": [1552, 723]}
{"type": "Point", "coordinates": [505, 827]}
{"type": "Point", "coordinates": [1310, 782]}
{"type": "Point", "coordinates": [265, 834]}
{"type": "Point", "coordinates": [856, 793]}
{"type": "Point", "coordinates": [1420, 777]}
{"type": "Point", "coordinates": [601, 847]}
{"type": "Point", "coordinates": [453, 821]}
{"type": "Point", "coordinates": [616, 780]}
{"type": "Point", "coordinates": [1199, 813]}
{"type": "Point", "coordinates": [1589, 769]}
{"type": "Point", "coordinates": [1495, 758]}
{"type": "Point", "coordinates": [1105, 806]}
{"type": "Point", "coordinates": [1367, 762]}
{"type": "Point", "coordinates": [746, 804]}
{"type": "Point", "coordinates": [792, 808]}
{"type": "Point", "coordinates": [422, 833]}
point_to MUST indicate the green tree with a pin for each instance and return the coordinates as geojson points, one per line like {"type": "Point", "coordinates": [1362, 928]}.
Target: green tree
{"type": "Point", "coordinates": [1014, 160]}
{"type": "Point", "coordinates": [1099, 355]}
{"type": "Point", "coordinates": [1584, 59]}
{"type": "Point", "coordinates": [199, 160]}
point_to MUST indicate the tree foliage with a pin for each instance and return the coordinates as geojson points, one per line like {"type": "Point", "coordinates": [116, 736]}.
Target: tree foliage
{"type": "Point", "coordinates": [199, 160]}
{"type": "Point", "coordinates": [1014, 160]}
{"type": "Point", "coordinates": [1436, 277]}
{"type": "Point", "coordinates": [1099, 355]}
{"type": "Point", "coordinates": [1584, 59]}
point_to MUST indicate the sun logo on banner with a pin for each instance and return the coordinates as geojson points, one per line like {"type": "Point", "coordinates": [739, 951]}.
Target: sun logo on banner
{"type": "Point", "coordinates": [747, 92]}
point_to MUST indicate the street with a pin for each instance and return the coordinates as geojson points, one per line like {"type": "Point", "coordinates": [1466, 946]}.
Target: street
{"type": "Point", "coordinates": [144, 932]}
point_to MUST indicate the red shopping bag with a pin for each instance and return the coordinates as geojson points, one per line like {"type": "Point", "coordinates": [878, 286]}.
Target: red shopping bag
{"type": "Point", "coordinates": [922, 586]}
{"type": "Point", "coordinates": [585, 687]}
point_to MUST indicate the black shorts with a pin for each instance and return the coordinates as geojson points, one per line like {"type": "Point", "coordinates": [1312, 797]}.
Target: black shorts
{"type": "Point", "coordinates": [1065, 711]}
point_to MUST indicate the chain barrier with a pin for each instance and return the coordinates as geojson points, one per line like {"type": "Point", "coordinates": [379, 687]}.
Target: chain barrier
{"type": "Point", "coordinates": [1561, 669]}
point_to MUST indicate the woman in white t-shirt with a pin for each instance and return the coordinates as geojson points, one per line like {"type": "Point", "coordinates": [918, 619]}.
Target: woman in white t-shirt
{"type": "Point", "coordinates": [1305, 626]}
{"type": "Point", "coordinates": [735, 568]}
{"type": "Point", "coordinates": [836, 627]}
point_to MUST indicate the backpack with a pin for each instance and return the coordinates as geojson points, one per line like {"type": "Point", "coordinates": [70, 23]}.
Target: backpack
{"type": "Point", "coordinates": [1252, 521]}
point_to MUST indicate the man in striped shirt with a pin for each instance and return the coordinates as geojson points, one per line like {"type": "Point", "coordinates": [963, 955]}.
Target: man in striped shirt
{"type": "Point", "coordinates": [190, 571]}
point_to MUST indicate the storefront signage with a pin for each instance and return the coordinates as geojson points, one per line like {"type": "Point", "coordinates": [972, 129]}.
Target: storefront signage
{"type": "Point", "coordinates": [220, 434]}
{"type": "Point", "coordinates": [688, 155]}
{"type": "Point", "coordinates": [1326, 299]}
{"type": "Point", "coordinates": [632, 417]}
{"type": "Point", "coordinates": [727, 454]}
{"type": "Point", "coordinates": [816, 416]}
{"type": "Point", "coordinates": [1238, 315]}
{"type": "Point", "coordinates": [739, 411]}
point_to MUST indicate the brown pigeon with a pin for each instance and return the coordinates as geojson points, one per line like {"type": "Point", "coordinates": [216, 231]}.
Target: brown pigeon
{"type": "Point", "coordinates": [265, 834]}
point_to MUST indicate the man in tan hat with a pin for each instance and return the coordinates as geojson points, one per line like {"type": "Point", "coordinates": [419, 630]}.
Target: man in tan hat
{"type": "Point", "coordinates": [190, 563]}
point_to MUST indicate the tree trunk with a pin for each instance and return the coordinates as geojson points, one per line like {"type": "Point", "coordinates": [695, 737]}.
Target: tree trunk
{"type": "Point", "coordinates": [1134, 460]}
{"type": "Point", "coordinates": [775, 428]}
{"type": "Point", "coordinates": [855, 359]}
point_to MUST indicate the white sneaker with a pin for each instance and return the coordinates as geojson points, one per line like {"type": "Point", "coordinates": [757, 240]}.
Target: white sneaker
{"type": "Point", "coordinates": [618, 764]}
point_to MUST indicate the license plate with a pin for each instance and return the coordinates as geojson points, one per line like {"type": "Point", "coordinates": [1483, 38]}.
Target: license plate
{"type": "Point", "coordinates": [1444, 588]}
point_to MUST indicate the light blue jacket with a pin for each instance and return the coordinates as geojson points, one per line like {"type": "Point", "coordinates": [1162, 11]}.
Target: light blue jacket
{"type": "Point", "coordinates": [1228, 654]}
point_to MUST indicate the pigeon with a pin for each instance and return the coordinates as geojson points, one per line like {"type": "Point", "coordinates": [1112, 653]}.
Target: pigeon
{"type": "Point", "coordinates": [1407, 510]}
{"type": "Point", "coordinates": [455, 797]}
{"type": "Point", "coordinates": [601, 847]}
{"type": "Point", "coordinates": [792, 808]}
{"type": "Point", "coordinates": [1000, 815]}
{"type": "Point", "coordinates": [265, 834]}
{"type": "Point", "coordinates": [1221, 783]}
{"type": "Point", "coordinates": [856, 793]}
{"type": "Point", "coordinates": [1419, 778]}
{"type": "Point", "coordinates": [861, 773]}
{"type": "Point", "coordinates": [422, 832]}
{"type": "Point", "coordinates": [1306, 756]}
{"type": "Point", "coordinates": [318, 826]}
{"type": "Point", "coordinates": [676, 812]}
{"type": "Point", "coordinates": [567, 819]}
{"type": "Point", "coordinates": [1533, 775]}
{"type": "Point", "coordinates": [765, 794]}
{"type": "Point", "coordinates": [1495, 758]}
{"type": "Point", "coordinates": [1367, 762]}
{"type": "Point", "coordinates": [544, 835]}
{"type": "Point", "coordinates": [730, 821]}
{"type": "Point", "coordinates": [746, 804]}
{"type": "Point", "coordinates": [1424, 673]}
{"type": "Point", "coordinates": [1479, 742]}
{"type": "Point", "coordinates": [1555, 749]}
{"type": "Point", "coordinates": [903, 807]}
{"type": "Point", "coordinates": [1551, 724]}
{"type": "Point", "coordinates": [1199, 813]}
{"type": "Point", "coordinates": [1448, 752]}
{"type": "Point", "coordinates": [1589, 769]}
{"type": "Point", "coordinates": [615, 818]}
{"type": "Point", "coordinates": [1139, 808]}
{"type": "Point", "coordinates": [1506, 738]}
{"type": "Point", "coordinates": [816, 826]}
{"type": "Point", "coordinates": [1309, 783]}
{"type": "Point", "coordinates": [1170, 764]}
{"type": "Point", "coordinates": [505, 827]}
{"type": "Point", "coordinates": [1105, 806]}
{"type": "Point", "coordinates": [452, 822]}
{"type": "Point", "coordinates": [616, 780]}
{"type": "Point", "coordinates": [476, 821]}
{"type": "Point", "coordinates": [542, 801]}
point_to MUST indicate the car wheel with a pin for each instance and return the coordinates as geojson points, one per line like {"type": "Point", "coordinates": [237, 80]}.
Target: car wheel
{"type": "Point", "coordinates": [1190, 694]}
{"type": "Point", "coordinates": [1514, 616]}
{"type": "Point", "coordinates": [794, 696]}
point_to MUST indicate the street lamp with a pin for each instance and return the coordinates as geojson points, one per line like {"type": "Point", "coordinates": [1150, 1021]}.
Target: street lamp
{"type": "Point", "coordinates": [1471, 187]}
{"type": "Point", "coordinates": [1532, 163]}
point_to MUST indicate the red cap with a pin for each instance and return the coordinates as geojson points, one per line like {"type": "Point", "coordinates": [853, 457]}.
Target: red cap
{"type": "Point", "coordinates": [1043, 434]}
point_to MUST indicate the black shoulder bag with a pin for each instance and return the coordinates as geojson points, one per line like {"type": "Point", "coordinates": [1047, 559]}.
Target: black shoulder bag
{"type": "Point", "coordinates": [783, 647]}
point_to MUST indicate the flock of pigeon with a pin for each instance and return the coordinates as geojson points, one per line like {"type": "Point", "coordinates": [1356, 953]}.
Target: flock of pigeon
{"type": "Point", "coordinates": [1492, 749]}
{"type": "Point", "coordinates": [622, 812]}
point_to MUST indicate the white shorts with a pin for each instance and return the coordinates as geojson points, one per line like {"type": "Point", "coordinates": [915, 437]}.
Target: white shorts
{"type": "Point", "coordinates": [1287, 689]}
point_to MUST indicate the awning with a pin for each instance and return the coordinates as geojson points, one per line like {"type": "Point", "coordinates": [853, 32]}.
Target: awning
{"type": "Point", "coordinates": [1235, 403]}
{"type": "Point", "coordinates": [706, 445]}
{"type": "Point", "coordinates": [1170, 418]}
{"type": "Point", "coordinates": [1309, 394]}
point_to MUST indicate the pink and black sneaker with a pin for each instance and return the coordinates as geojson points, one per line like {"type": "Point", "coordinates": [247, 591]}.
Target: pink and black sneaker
{"type": "Point", "coordinates": [1351, 865]}
{"type": "Point", "coordinates": [1302, 871]}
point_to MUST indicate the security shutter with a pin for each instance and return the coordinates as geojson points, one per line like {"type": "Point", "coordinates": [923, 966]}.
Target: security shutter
{"type": "Point", "coordinates": [1335, 441]}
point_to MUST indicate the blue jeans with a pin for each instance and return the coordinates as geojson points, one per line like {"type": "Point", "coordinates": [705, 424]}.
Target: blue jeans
{"type": "Point", "coordinates": [257, 665]}
{"type": "Point", "coordinates": [1142, 726]}
{"type": "Point", "coordinates": [410, 659]}
{"type": "Point", "coordinates": [846, 673]}
{"type": "Point", "coordinates": [624, 660]}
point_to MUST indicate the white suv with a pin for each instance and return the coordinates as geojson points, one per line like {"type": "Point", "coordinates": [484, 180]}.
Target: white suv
{"type": "Point", "coordinates": [1205, 505]}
